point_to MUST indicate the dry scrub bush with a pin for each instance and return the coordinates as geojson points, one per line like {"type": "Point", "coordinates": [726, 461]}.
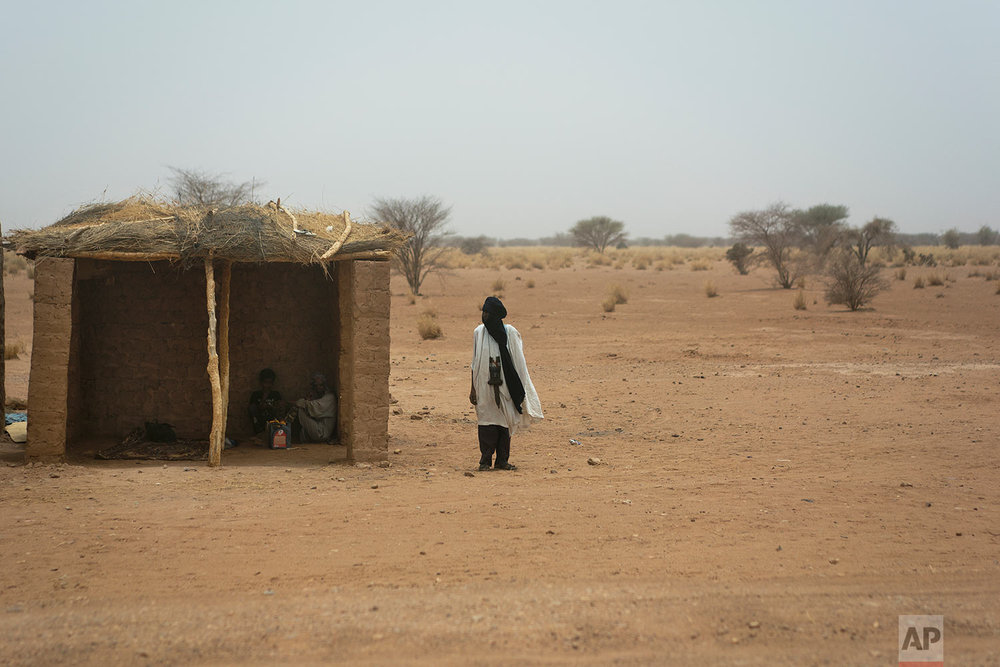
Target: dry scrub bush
{"type": "Point", "coordinates": [710, 289]}
{"type": "Point", "coordinates": [498, 286]}
{"type": "Point", "coordinates": [618, 294]}
{"type": "Point", "coordinates": [640, 263]}
{"type": "Point", "coordinates": [800, 301]}
{"type": "Point", "coordinates": [700, 265]}
{"type": "Point", "coordinates": [427, 325]}
{"type": "Point", "coordinates": [530, 284]}
{"type": "Point", "coordinates": [608, 304]}
{"type": "Point", "coordinates": [852, 283]}
{"type": "Point", "coordinates": [935, 280]}
{"type": "Point", "coordinates": [918, 283]}
{"type": "Point", "coordinates": [12, 350]}
{"type": "Point", "coordinates": [901, 273]}
{"type": "Point", "coordinates": [13, 264]}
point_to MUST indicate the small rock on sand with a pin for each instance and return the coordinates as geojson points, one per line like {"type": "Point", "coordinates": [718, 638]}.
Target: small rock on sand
{"type": "Point", "coordinates": [594, 461]}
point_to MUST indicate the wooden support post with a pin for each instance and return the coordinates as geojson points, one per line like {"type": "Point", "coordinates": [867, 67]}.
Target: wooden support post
{"type": "Point", "coordinates": [225, 280]}
{"type": "Point", "coordinates": [218, 410]}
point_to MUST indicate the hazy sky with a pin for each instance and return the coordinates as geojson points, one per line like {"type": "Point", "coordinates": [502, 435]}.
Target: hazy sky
{"type": "Point", "coordinates": [524, 116]}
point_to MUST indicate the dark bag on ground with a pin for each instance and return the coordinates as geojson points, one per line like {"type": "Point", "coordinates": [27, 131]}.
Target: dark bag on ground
{"type": "Point", "coordinates": [157, 432]}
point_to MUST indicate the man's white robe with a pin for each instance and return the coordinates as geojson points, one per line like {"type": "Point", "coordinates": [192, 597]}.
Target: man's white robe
{"type": "Point", "coordinates": [487, 411]}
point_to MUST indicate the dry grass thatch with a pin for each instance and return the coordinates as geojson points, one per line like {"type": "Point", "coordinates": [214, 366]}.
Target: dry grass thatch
{"type": "Point", "coordinates": [151, 229]}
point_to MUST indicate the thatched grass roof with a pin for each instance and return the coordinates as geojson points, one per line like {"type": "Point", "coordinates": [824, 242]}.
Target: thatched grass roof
{"type": "Point", "coordinates": [142, 227]}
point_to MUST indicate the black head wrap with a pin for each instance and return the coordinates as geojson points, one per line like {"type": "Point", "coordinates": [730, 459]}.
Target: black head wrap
{"type": "Point", "coordinates": [495, 312]}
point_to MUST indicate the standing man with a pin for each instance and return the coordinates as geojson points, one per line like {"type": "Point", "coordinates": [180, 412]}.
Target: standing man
{"type": "Point", "coordinates": [502, 391]}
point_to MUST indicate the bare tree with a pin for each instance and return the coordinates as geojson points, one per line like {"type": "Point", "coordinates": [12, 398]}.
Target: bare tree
{"type": "Point", "coordinates": [424, 219]}
{"type": "Point", "coordinates": [851, 282]}
{"type": "Point", "coordinates": [598, 233]}
{"type": "Point", "coordinates": [773, 229]}
{"type": "Point", "coordinates": [878, 231]}
{"type": "Point", "coordinates": [198, 188]}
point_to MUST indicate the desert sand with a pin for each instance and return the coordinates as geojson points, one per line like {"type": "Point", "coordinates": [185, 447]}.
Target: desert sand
{"type": "Point", "coordinates": [775, 486]}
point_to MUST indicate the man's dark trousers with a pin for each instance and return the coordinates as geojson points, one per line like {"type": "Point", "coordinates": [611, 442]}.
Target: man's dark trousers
{"type": "Point", "coordinates": [493, 438]}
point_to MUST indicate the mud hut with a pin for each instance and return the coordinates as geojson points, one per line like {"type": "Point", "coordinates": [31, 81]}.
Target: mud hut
{"type": "Point", "coordinates": [148, 311]}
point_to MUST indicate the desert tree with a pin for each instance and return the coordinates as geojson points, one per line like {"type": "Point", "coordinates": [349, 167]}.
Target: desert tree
{"type": "Point", "coordinates": [474, 245]}
{"type": "Point", "coordinates": [851, 282]}
{"type": "Point", "coordinates": [951, 239]}
{"type": "Point", "coordinates": [198, 188]}
{"type": "Point", "coordinates": [423, 219]}
{"type": "Point", "coordinates": [986, 236]}
{"type": "Point", "coordinates": [739, 255]}
{"type": "Point", "coordinates": [773, 229]}
{"type": "Point", "coordinates": [820, 228]}
{"type": "Point", "coordinates": [876, 232]}
{"type": "Point", "coordinates": [598, 233]}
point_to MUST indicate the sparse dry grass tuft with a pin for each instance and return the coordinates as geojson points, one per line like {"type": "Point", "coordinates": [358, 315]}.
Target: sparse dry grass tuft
{"type": "Point", "coordinates": [530, 284]}
{"type": "Point", "coordinates": [711, 290]}
{"type": "Point", "coordinates": [800, 300]}
{"type": "Point", "coordinates": [901, 273]}
{"type": "Point", "coordinates": [608, 304]}
{"type": "Point", "coordinates": [427, 325]}
{"type": "Point", "coordinates": [13, 350]}
{"type": "Point", "coordinates": [498, 286]}
{"type": "Point", "coordinates": [700, 265]}
{"type": "Point", "coordinates": [918, 283]}
{"type": "Point", "coordinates": [618, 294]}
{"type": "Point", "coordinates": [935, 279]}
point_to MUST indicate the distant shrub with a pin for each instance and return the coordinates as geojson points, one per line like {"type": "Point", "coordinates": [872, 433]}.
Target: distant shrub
{"type": "Point", "coordinates": [618, 294]}
{"type": "Point", "coordinates": [918, 283]}
{"type": "Point", "coordinates": [935, 280]}
{"type": "Point", "coordinates": [901, 273]}
{"type": "Point", "coordinates": [530, 284]}
{"type": "Point", "coordinates": [800, 300]}
{"type": "Point", "coordinates": [710, 289]}
{"type": "Point", "coordinates": [852, 283]}
{"type": "Point", "coordinates": [474, 245]}
{"type": "Point", "coordinates": [428, 327]}
{"type": "Point", "coordinates": [640, 263]}
{"type": "Point", "coordinates": [608, 304]}
{"type": "Point", "coordinates": [700, 265]}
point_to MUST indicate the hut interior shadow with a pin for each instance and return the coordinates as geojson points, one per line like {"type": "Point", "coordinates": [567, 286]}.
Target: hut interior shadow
{"type": "Point", "coordinates": [137, 351]}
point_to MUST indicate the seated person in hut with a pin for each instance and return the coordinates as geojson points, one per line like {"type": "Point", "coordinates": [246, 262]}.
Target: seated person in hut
{"type": "Point", "coordinates": [317, 415]}
{"type": "Point", "coordinates": [265, 403]}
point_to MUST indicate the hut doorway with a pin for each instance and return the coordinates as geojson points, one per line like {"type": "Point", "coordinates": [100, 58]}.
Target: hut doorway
{"type": "Point", "coordinates": [138, 350]}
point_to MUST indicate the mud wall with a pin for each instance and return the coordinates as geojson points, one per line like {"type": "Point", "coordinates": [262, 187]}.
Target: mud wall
{"type": "Point", "coordinates": [141, 354]}
{"type": "Point", "coordinates": [50, 360]}
{"type": "Point", "coordinates": [364, 359]}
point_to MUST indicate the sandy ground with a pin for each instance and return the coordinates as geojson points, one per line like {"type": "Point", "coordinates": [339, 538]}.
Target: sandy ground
{"type": "Point", "coordinates": [775, 487]}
